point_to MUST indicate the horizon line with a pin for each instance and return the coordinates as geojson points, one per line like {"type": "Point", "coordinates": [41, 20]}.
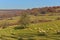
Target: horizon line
{"type": "Point", "coordinates": [24, 8]}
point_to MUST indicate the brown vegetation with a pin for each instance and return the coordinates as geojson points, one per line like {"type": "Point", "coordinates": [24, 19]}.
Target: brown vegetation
{"type": "Point", "coordinates": [34, 11]}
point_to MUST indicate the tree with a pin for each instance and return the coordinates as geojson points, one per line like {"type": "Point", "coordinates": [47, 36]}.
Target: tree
{"type": "Point", "coordinates": [24, 20]}
{"type": "Point", "coordinates": [5, 24]}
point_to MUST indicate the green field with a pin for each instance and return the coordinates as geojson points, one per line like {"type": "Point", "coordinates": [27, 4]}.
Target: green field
{"type": "Point", "coordinates": [48, 30]}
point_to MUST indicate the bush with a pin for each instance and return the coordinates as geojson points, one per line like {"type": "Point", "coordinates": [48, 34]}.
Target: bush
{"type": "Point", "coordinates": [58, 32]}
{"type": "Point", "coordinates": [4, 25]}
{"type": "Point", "coordinates": [20, 38]}
{"type": "Point", "coordinates": [31, 39]}
{"type": "Point", "coordinates": [19, 27]}
{"type": "Point", "coordinates": [24, 21]}
{"type": "Point", "coordinates": [43, 12]}
{"type": "Point", "coordinates": [58, 18]}
{"type": "Point", "coordinates": [41, 34]}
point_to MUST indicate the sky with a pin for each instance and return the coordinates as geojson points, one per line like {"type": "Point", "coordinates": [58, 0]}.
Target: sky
{"type": "Point", "coordinates": [25, 4]}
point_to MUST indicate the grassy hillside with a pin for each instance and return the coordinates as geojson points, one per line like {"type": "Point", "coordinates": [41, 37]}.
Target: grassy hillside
{"type": "Point", "coordinates": [44, 24]}
{"type": "Point", "coordinates": [36, 31]}
{"type": "Point", "coordinates": [50, 28]}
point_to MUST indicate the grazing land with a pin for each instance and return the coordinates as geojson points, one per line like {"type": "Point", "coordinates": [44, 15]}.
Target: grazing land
{"type": "Point", "coordinates": [42, 25]}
